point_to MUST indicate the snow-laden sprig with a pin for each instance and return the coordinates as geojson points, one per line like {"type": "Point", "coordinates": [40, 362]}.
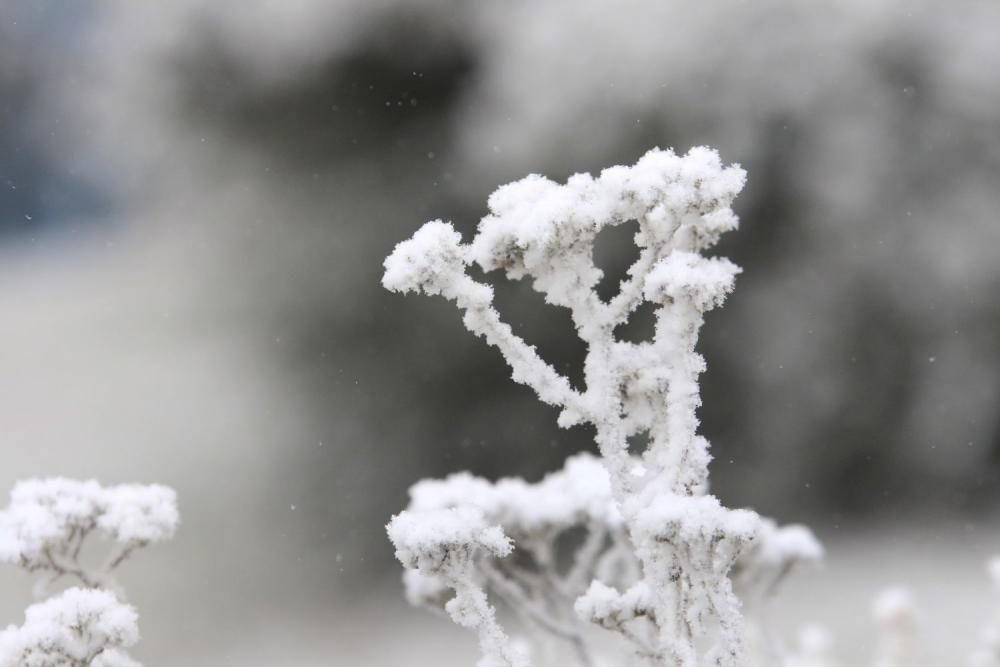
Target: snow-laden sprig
{"type": "Point", "coordinates": [443, 545]}
{"type": "Point", "coordinates": [48, 521]}
{"type": "Point", "coordinates": [79, 628]}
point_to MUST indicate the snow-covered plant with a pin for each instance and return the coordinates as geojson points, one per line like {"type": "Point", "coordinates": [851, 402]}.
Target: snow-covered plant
{"type": "Point", "coordinates": [894, 612]}
{"type": "Point", "coordinates": [46, 528]}
{"type": "Point", "coordinates": [657, 553]}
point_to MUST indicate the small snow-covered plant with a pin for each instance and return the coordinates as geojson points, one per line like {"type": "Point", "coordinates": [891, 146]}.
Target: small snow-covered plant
{"type": "Point", "coordinates": [657, 556]}
{"type": "Point", "coordinates": [48, 528]}
{"type": "Point", "coordinates": [894, 612]}
{"type": "Point", "coordinates": [987, 654]}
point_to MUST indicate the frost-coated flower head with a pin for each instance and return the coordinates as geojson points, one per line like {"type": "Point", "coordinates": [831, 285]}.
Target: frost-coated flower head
{"type": "Point", "coordinates": [78, 627]}
{"type": "Point", "coordinates": [139, 512]}
{"type": "Point", "coordinates": [425, 539]}
{"type": "Point", "coordinates": [428, 262]}
{"type": "Point", "coordinates": [50, 516]}
{"type": "Point", "coordinates": [44, 513]}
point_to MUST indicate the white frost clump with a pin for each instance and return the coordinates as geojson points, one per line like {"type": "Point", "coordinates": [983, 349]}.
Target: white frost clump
{"type": "Point", "coordinates": [426, 539]}
{"type": "Point", "coordinates": [429, 261]}
{"type": "Point", "coordinates": [139, 513]}
{"type": "Point", "coordinates": [79, 628]}
{"type": "Point", "coordinates": [649, 525]}
{"type": "Point", "coordinates": [48, 520]}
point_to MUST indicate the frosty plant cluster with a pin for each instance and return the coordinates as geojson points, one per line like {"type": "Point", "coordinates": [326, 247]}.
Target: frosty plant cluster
{"type": "Point", "coordinates": [49, 528]}
{"type": "Point", "coordinates": [658, 555]}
